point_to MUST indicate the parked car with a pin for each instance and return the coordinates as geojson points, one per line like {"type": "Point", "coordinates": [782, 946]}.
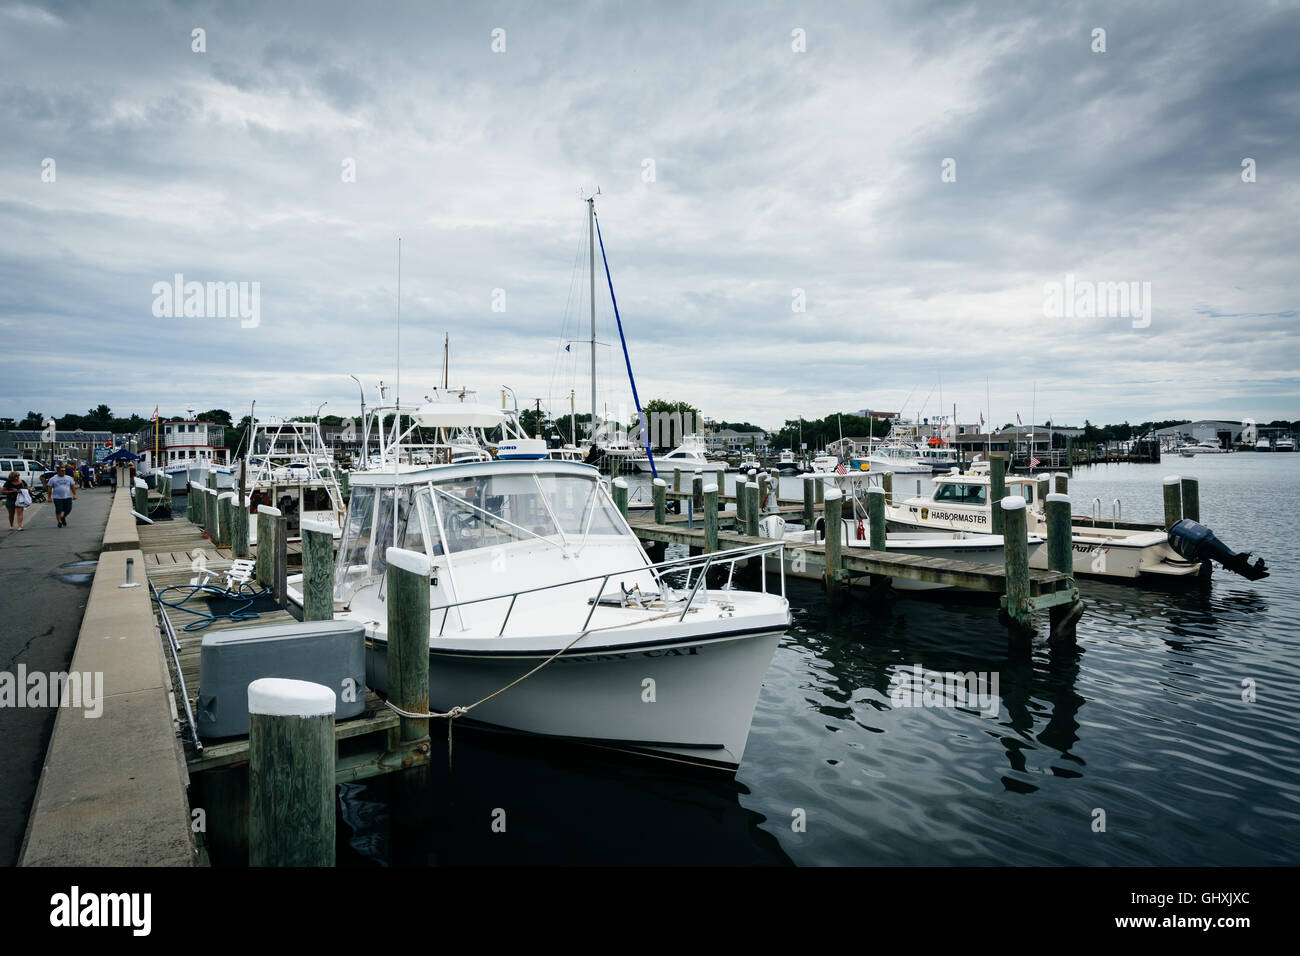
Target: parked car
{"type": "Point", "coordinates": [28, 470]}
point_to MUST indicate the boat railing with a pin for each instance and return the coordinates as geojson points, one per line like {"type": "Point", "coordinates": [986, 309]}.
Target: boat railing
{"type": "Point", "coordinates": [697, 566]}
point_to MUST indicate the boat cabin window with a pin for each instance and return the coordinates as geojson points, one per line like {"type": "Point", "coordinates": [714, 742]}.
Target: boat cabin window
{"type": "Point", "coordinates": [961, 494]}
{"type": "Point", "coordinates": [316, 499]}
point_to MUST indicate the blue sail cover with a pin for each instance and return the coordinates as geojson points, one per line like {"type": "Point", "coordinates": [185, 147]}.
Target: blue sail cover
{"type": "Point", "coordinates": [645, 432]}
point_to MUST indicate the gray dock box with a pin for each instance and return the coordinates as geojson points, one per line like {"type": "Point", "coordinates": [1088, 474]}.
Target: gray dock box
{"type": "Point", "coordinates": [331, 653]}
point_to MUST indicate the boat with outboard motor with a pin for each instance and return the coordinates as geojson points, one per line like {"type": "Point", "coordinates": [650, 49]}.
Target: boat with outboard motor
{"type": "Point", "coordinates": [961, 501]}
{"type": "Point", "coordinates": [530, 563]}
{"type": "Point", "coordinates": [855, 533]}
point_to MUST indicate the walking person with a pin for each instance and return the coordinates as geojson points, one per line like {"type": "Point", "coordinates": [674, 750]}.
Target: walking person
{"type": "Point", "coordinates": [63, 490]}
{"type": "Point", "coordinates": [17, 497]}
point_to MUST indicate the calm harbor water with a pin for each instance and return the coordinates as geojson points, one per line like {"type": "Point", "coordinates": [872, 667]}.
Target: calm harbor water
{"type": "Point", "coordinates": [1146, 722]}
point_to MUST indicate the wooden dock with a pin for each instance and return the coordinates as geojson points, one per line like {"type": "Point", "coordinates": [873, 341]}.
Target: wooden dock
{"type": "Point", "coordinates": [173, 552]}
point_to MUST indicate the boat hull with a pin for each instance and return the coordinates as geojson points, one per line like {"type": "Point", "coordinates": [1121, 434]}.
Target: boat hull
{"type": "Point", "coordinates": [697, 710]}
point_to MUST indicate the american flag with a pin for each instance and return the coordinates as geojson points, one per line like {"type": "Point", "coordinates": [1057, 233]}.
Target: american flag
{"type": "Point", "coordinates": [1034, 462]}
{"type": "Point", "coordinates": [840, 469]}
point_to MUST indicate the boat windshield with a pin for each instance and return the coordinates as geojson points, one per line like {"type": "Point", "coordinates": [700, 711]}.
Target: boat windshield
{"type": "Point", "coordinates": [488, 511]}
{"type": "Point", "coordinates": [961, 494]}
{"type": "Point", "coordinates": [370, 531]}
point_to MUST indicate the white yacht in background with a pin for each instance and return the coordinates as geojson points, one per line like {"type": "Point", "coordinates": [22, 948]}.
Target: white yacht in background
{"type": "Point", "coordinates": [530, 560]}
{"type": "Point", "coordinates": [1285, 444]}
{"type": "Point", "coordinates": [692, 453]}
{"type": "Point", "coordinates": [1201, 448]}
{"type": "Point", "coordinates": [1263, 445]}
{"type": "Point", "coordinates": [788, 464]}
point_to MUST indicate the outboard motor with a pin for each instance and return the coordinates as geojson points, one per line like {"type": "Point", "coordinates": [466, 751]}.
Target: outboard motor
{"type": "Point", "coordinates": [1195, 542]}
{"type": "Point", "coordinates": [773, 526]}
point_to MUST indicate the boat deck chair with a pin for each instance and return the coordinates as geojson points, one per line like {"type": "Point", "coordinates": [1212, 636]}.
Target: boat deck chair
{"type": "Point", "coordinates": [240, 572]}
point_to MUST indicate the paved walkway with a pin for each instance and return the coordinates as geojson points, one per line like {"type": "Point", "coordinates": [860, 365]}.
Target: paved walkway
{"type": "Point", "coordinates": [41, 607]}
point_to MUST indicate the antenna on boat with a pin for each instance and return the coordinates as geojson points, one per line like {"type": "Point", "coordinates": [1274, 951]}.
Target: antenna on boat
{"type": "Point", "coordinates": [397, 392]}
{"type": "Point", "coordinates": [591, 268]}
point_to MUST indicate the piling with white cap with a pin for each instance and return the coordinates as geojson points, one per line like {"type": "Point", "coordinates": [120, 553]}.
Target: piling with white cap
{"type": "Point", "coordinates": [1060, 558]}
{"type": "Point", "coordinates": [1173, 500]}
{"type": "Point", "coordinates": [1061, 483]}
{"type": "Point", "coordinates": [809, 507]}
{"type": "Point", "coordinates": [620, 495]}
{"type": "Point", "coordinates": [752, 506]}
{"type": "Point", "coordinates": [407, 584]}
{"type": "Point", "coordinates": [266, 518]}
{"type": "Point", "coordinates": [290, 773]}
{"type": "Point", "coordinates": [834, 538]}
{"type": "Point", "coordinates": [225, 518]}
{"type": "Point", "coordinates": [661, 500]}
{"type": "Point", "coordinates": [1015, 546]}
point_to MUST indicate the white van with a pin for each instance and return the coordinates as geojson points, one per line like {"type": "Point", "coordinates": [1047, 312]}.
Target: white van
{"type": "Point", "coordinates": [28, 470]}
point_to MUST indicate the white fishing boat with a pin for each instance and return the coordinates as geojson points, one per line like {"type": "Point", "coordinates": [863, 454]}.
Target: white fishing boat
{"type": "Point", "coordinates": [961, 502]}
{"type": "Point", "coordinates": [1263, 445]}
{"type": "Point", "coordinates": [289, 467]}
{"type": "Point", "coordinates": [788, 464]}
{"type": "Point", "coordinates": [1202, 448]}
{"type": "Point", "coordinates": [531, 564]}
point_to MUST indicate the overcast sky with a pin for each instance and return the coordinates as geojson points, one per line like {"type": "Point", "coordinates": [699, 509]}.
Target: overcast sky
{"type": "Point", "coordinates": [737, 174]}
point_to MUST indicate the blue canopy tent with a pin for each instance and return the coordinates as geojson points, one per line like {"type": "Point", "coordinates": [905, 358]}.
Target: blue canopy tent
{"type": "Point", "coordinates": [122, 455]}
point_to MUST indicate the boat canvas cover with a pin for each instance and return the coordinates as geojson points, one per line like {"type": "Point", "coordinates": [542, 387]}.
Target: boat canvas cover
{"type": "Point", "coordinates": [458, 415]}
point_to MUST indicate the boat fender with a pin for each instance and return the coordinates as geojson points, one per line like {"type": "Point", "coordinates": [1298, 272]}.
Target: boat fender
{"type": "Point", "coordinates": [1195, 542]}
{"type": "Point", "coordinates": [862, 533]}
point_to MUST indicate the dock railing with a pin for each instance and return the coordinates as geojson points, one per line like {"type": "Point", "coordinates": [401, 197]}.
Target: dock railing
{"type": "Point", "coordinates": [697, 566]}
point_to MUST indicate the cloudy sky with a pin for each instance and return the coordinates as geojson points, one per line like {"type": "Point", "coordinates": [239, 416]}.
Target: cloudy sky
{"type": "Point", "coordinates": [914, 174]}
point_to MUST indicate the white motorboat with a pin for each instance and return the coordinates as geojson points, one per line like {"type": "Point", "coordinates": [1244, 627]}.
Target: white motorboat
{"type": "Point", "coordinates": [855, 533]}
{"type": "Point", "coordinates": [788, 464]}
{"type": "Point", "coordinates": [1201, 448]}
{"type": "Point", "coordinates": [531, 561]}
{"type": "Point", "coordinates": [692, 452]}
{"type": "Point", "coordinates": [1285, 444]}
{"type": "Point", "coordinates": [1263, 445]}
{"type": "Point", "coordinates": [961, 502]}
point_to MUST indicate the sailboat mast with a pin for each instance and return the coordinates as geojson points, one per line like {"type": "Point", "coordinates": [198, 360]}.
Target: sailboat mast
{"type": "Point", "coordinates": [591, 252]}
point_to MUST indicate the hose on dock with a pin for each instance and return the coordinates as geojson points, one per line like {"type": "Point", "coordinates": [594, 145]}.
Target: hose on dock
{"type": "Point", "coordinates": [245, 592]}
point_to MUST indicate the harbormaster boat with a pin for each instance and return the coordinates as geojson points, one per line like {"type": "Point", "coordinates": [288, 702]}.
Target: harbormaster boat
{"type": "Point", "coordinates": [855, 533]}
{"type": "Point", "coordinates": [961, 502]}
{"type": "Point", "coordinates": [531, 560]}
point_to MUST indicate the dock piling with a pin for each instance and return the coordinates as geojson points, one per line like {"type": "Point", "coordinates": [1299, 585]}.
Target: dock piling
{"type": "Point", "coordinates": [1191, 489]}
{"type": "Point", "coordinates": [809, 507]}
{"type": "Point", "coordinates": [408, 639]}
{"type": "Point", "coordinates": [997, 491]}
{"type": "Point", "coordinates": [290, 773]}
{"type": "Point", "coordinates": [266, 516]}
{"type": "Point", "coordinates": [876, 517]}
{"type": "Point", "coordinates": [697, 491]}
{"type": "Point", "coordinates": [239, 530]}
{"type": "Point", "coordinates": [1060, 557]}
{"type": "Point", "coordinates": [225, 518]}
{"type": "Point", "coordinates": [751, 509]}
{"type": "Point", "coordinates": [619, 487]}
{"type": "Point", "coordinates": [834, 542]}
{"type": "Point", "coordinates": [661, 500]}
{"type": "Point", "coordinates": [710, 518]}
{"type": "Point", "coordinates": [1015, 543]}
{"type": "Point", "coordinates": [317, 571]}
{"type": "Point", "coordinates": [1061, 483]}
{"type": "Point", "coordinates": [1173, 500]}
{"type": "Point", "coordinates": [741, 495]}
